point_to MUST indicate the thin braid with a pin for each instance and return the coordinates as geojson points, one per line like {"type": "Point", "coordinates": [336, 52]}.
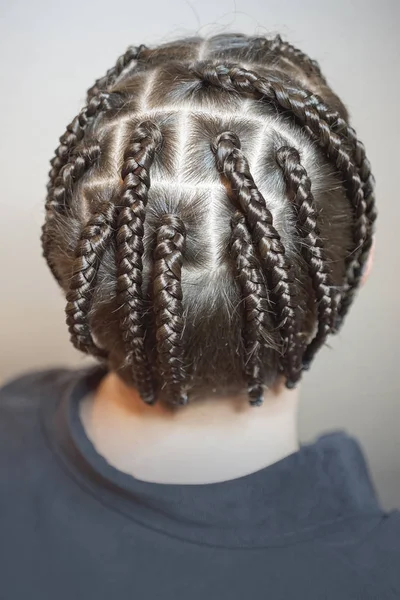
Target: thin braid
{"type": "Point", "coordinates": [138, 158]}
{"type": "Point", "coordinates": [340, 126]}
{"type": "Point", "coordinates": [232, 164]}
{"type": "Point", "coordinates": [297, 56]}
{"type": "Point", "coordinates": [168, 307]}
{"type": "Point", "coordinates": [299, 188]}
{"type": "Point", "coordinates": [255, 305]}
{"type": "Point", "coordinates": [74, 134]}
{"type": "Point", "coordinates": [355, 266]}
{"type": "Point", "coordinates": [234, 78]}
{"type": "Point", "coordinates": [69, 175]}
{"type": "Point", "coordinates": [90, 249]}
{"type": "Point", "coordinates": [103, 83]}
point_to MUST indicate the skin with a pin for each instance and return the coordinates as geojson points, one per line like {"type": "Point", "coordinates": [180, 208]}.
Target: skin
{"type": "Point", "coordinates": [206, 441]}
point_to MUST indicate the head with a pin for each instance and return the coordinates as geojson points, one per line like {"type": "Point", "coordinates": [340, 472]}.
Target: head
{"type": "Point", "coordinates": [209, 216]}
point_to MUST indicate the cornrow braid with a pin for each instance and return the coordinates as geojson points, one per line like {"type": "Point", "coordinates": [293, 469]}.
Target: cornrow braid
{"type": "Point", "coordinates": [90, 249]}
{"type": "Point", "coordinates": [138, 157]}
{"type": "Point", "coordinates": [255, 305]}
{"type": "Point", "coordinates": [167, 288]}
{"type": "Point", "coordinates": [103, 83]}
{"type": "Point", "coordinates": [233, 165]}
{"type": "Point", "coordinates": [310, 114]}
{"type": "Point", "coordinates": [299, 188]}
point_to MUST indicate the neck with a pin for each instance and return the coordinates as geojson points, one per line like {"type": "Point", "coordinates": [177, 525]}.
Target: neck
{"type": "Point", "coordinates": [207, 441]}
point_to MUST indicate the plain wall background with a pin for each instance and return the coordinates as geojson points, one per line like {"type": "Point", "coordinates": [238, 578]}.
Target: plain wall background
{"type": "Point", "coordinates": [52, 52]}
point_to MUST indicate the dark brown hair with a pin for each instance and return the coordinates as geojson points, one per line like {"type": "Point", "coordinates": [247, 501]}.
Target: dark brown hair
{"type": "Point", "coordinates": [209, 215]}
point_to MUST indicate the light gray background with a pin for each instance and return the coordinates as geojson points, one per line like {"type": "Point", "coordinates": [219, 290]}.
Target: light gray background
{"type": "Point", "coordinates": [52, 51]}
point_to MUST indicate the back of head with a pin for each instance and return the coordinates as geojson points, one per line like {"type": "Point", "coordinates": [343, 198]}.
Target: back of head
{"type": "Point", "coordinates": [209, 214]}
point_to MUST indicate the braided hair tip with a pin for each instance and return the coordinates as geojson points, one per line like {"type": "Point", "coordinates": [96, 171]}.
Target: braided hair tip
{"type": "Point", "coordinates": [257, 401]}
{"type": "Point", "coordinates": [290, 384]}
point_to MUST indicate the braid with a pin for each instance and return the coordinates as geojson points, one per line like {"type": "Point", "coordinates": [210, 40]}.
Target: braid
{"type": "Point", "coordinates": [310, 114]}
{"type": "Point", "coordinates": [58, 201]}
{"type": "Point", "coordinates": [71, 172]}
{"type": "Point", "coordinates": [255, 304]}
{"type": "Point", "coordinates": [355, 266]}
{"type": "Point", "coordinates": [68, 141]}
{"type": "Point", "coordinates": [299, 187]}
{"type": "Point", "coordinates": [105, 82]}
{"type": "Point", "coordinates": [138, 158]}
{"type": "Point", "coordinates": [297, 56]}
{"type": "Point", "coordinates": [73, 134]}
{"type": "Point", "coordinates": [90, 249]}
{"type": "Point", "coordinates": [168, 305]}
{"type": "Point", "coordinates": [340, 126]}
{"type": "Point", "coordinates": [46, 240]}
{"type": "Point", "coordinates": [232, 163]}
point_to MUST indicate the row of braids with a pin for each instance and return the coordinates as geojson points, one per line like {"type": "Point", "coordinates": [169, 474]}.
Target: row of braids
{"type": "Point", "coordinates": [234, 167]}
{"type": "Point", "coordinates": [337, 140]}
{"type": "Point", "coordinates": [139, 155]}
{"type": "Point", "coordinates": [126, 215]}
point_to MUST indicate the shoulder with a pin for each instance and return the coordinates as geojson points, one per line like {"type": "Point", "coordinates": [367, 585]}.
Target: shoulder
{"type": "Point", "coordinates": [24, 451]}
{"type": "Point", "coordinates": [377, 555]}
{"type": "Point", "coordinates": [21, 400]}
{"type": "Point", "coordinates": [384, 540]}
{"type": "Point", "coordinates": [30, 386]}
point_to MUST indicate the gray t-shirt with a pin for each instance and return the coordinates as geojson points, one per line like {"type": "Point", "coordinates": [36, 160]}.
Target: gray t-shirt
{"type": "Point", "coordinates": [73, 527]}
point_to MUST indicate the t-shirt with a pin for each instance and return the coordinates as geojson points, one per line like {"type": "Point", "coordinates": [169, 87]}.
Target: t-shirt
{"type": "Point", "coordinates": [72, 527]}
